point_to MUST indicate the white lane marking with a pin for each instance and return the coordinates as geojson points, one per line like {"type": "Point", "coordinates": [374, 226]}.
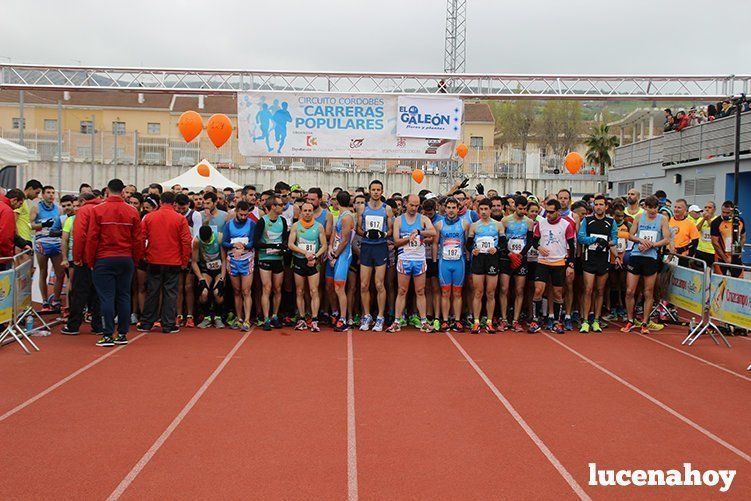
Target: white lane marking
{"type": "Point", "coordinates": [64, 380]}
{"type": "Point", "coordinates": [658, 403]}
{"type": "Point", "coordinates": [351, 424]}
{"type": "Point", "coordinates": [520, 420]}
{"type": "Point", "coordinates": [141, 464]}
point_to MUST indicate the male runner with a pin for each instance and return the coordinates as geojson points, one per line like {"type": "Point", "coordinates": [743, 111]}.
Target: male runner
{"type": "Point", "coordinates": [409, 230]}
{"type": "Point", "coordinates": [598, 234]}
{"type": "Point", "coordinates": [564, 198]}
{"type": "Point", "coordinates": [209, 265]}
{"type": "Point", "coordinates": [452, 232]}
{"type": "Point", "coordinates": [270, 239]}
{"type": "Point", "coordinates": [307, 241]}
{"type": "Point", "coordinates": [519, 230]}
{"type": "Point", "coordinates": [340, 256]}
{"type": "Point", "coordinates": [375, 224]}
{"type": "Point", "coordinates": [485, 235]}
{"type": "Point", "coordinates": [237, 242]}
{"type": "Point", "coordinates": [45, 220]}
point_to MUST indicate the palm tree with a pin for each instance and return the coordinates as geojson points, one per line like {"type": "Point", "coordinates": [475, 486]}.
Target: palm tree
{"type": "Point", "coordinates": [599, 143]}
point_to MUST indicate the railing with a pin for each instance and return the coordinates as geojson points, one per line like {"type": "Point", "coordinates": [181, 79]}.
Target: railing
{"type": "Point", "coordinates": [700, 142]}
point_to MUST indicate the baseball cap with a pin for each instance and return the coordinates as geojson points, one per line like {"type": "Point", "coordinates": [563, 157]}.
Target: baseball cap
{"type": "Point", "coordinates": [694, 208]}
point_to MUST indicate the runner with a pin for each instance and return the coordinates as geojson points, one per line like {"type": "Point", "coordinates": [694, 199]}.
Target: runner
{"type": "Point", "coordinates": [633, 208]}
{"type": "Point", "coordinates": [409, 230]}
{"type": "Point", "coordinates": [598, 235]}
{"type": "Point", "coordinates": [554, 239]}
{"type": "Point", "coordinates": [237, 242]}
{"type": "Point", "coordinates": [375, 225]}
{"type": "Point", "coordinates": [571, 315]}
{"type": "Point", "coordinates": [185, 292]}
{"type": "Point", "coordinates": [340, 256]}
{"type": "Point", "coordinates": [519, 230]}
{"type": "Point", "coordinates": [45, 221]}
{"type": "Point", "coordinates": [649, 232]}
{"type": "Point", "coordinates": [209, 265]}
{"type": "Point", "coordinates": [485, 235]}
{"type": "Point", "coordinates": [270, 239]}
{"type": "Point", "coordinates": [705, 250]}
{"type": "Point", "coordinates": [685, 235]}
{"type": "Point", "coordinates": [452, 232]}
{"type": "Point", "coordinates": [432, 284]}
{"type": "Point", "coordinates": [307, 241]}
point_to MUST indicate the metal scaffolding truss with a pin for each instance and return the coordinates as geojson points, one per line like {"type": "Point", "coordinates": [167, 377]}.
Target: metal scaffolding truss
{"type": "Point", "coordinates": [465, 85]}
{"type": "Point", "coordinates": [455, 50]}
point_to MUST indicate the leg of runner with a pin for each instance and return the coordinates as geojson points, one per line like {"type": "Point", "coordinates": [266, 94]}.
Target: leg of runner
{"type": "Point", "coordinates": [478, 290]}
{"type": "Point", "coordinates": [586, 300]}
{"type": "Point", "coordinates": [491, 284]}
{"type": "Point", "coordinates": [632, 282]}
{"type": "Point", "coordinates": [403, 280]}
{"type": "Point", "coordinates": [315, 301]}
{"type": "Point", "coordinates": [535, 323]}
{"type": "Point", "coordinates": [352, 284]}
{"type": "Point", "coordinates": [247, 300]}
{"type": "Point", "coordinates": [365, 274]}
{"type": "Point", "coordinates": [204, 302]}
{"type": "Point", "coordinates": [503, 301]}
{"type": "Point", "coordinates": [189, 300]}
{"type": "Point", "coordinates": [300, 297]}
{"type": "Point", "coordinates": [457, 292]}
{"type": "Point", "coordinates": [600, 283]}
{"type": "Point", "coordinates": [277, 280]}
{"type": "Point", "coordinates": [380, 276]}
{"type": "Point", "coordinates": [649, 286]}
{"type": "Point", "coordinates": [42, 261]}
{"type": "Point", "coordinates": [520, 282]}
{"type": "Point", "coordinates": [266, 286]}
{"type": "Point", "coordinates": [57, 267]}
{"type": "Point", "coordinates": [238, 297]}
{"type": "Point", "coordinates": [570, 276]}
{"type": "Point", "coordinates": [217, 291]}
{"type": "Point", "coordinates": [420, 301]}
{"type": "Point", "coordinates": [180, 299]}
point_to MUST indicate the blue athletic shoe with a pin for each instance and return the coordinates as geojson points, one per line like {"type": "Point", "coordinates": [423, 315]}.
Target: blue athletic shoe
{"type": "Point", "coordinates": [550, 323]}
{"type": "Point", "coordinates": [568, 324]}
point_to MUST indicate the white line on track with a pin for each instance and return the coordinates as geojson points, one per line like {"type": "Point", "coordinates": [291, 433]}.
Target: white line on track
{"type": "Point", "coordinates": [141, 464]}
{"type": "Point", "coordinates": [691, 355]}
{"type": "Point", "coordinates": [351, 424]}
{"type": "Point", "coordinates": [520, 420]}
{"type": "Point", "coordinates": [64, 380]}
{"type": "Point", "coordinates": [658, 403]}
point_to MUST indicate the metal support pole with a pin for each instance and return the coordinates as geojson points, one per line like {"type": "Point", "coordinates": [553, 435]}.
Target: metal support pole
{"type": "Point", "coordinates": [114, 155]}
{"type": "Point", "coordinates": [22, 123]}
{"type": "Point", "coordinates": [93, 145]}
{"type": "Point", "coordinates": [736, 174]}
{"type": "Point", "coordinates": [59, 144]}
{"type": "Point", "coordinates": [135, 155]}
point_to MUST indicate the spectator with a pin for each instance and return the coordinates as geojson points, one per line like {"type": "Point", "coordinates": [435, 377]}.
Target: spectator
{"type": "Point", "coordinates": [693, 117]}
{"type": "Point", "coordinates": [168, 251]}
{"type": "Point", "coordinates": [114, 243]}
{"type": "Point", "coordinates": [669, 121]}
{"type": "Point", "coordinates": [681, 121]}
{"type": "Point", "coordinates": [711, 112]}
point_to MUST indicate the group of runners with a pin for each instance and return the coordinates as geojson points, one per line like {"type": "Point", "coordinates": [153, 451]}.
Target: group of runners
{"type": "Point", "coordinates": [363, 260]}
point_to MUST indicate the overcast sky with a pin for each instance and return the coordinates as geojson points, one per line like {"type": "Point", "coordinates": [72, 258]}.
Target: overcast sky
{"type": "Point", "coordinates": [538, 36]}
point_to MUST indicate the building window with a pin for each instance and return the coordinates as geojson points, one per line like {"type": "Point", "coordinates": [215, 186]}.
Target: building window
{"type": "Point", "coordinates": [17, 122]}
{"type": "Point", "coordinates": [475, 142]}
{"type": "Point", "coordinates": [50, 125]}
{"type": "Point", "coordinates": [475, 166]}
{"type": "Point", "coordinates": [118, 128]}
{"type": "Point", "coordinates": [647, 190]}
{"type": "Point", "coordinates": [154, 128]}
{"type": "Point", "coordinates": [624, 187]}
{"type": "Point", "coordinates": [87, 127]}
{"type": "Point", "coordinates": [699, 186]}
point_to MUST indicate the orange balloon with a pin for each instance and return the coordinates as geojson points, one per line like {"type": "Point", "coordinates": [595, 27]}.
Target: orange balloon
{"type": "Point", "coordinates": [462, 150]}
{"type": "Point", "coordinates": [418, 175]}
{"type": "Point", "coordinates": [219, 129]}
{"type": "Point", "coordinates": [203, 170]}
{"type": "Point", "coordinates": [573, 162]}
{"type": "Point", "coordinates": [190, 125]}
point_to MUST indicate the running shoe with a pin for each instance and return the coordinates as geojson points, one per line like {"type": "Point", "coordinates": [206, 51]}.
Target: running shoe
{"type": "Point", "coordinates": [144, 327]}
{"type": "Point", "coordinates": [231, 320]}
{"type": "Point", "coordinates": [445, 327]}
{"type": "Point", "coordinates": [549, 325]}
{"type": "Point", "coordinates": [426, 326]}
{"type": "Point", "coordinates": [121, 339]}
{"type": "Point", "coordinates": [340, 325]}
{"type": "Point", "coordinates": [171, 330]}
{"type": "Point", "coordinates": [302, 325]}
{"type": "Point", "coordinates": [654, 326]}
{"type": "Point", "coordinates": [267, 325]}
{"type": "Point", "coordinates": [575, 317]}
{"type": "Point", "coordinates": [218, 322]}
{"type": "Point", "coordinates": [189, 322]}
{"type": "Point", "coordinates": [68, 332]}
{"type": "Point", "coordinates": [475, 327]}
{"type": "Point", "coordinates": [378, 327]}
{"type": "Point", "coordinates": [517, 327]}
{"type": "Point", "coordinates": [604, 323]}
{"type": "Point", "coordinates": [568, 323]}
{"type": "Point", "coordinates": [395, 327]}
{"type": "Point", "coordinates": [245, 326]}
{"type": "Point", "coordinates": [437, 325]}
{"type": "Point", "coordinates": [275, 322]}
{"type": "Point", "coordinates": [534, 327]}
{"type": "Point", "coordinates": [179, 321]}
{"type": "Point", "coordinates": [414, 321]}
{"type": "Point", "coordinates": [629, 327]}
{"type": "Point", "coordinates": [458, 326]}
{"type": "Point", "coordinates": [133, 318]}
{"type": "Point", "coordinates": [158, 324]}
{"type": "Point", "coordinates": [314, 326]}
{"type": "Point", "coordinates": [356, 319]}
{"type": "Point", "coordinates": [644, 330]}
{"type": "Point", "coordinates": [105, 341]}
{"type": "Point", "coordinates": [559, 328]}
{"type": "Point", "coordinates": [596, 327]}
{"type": "Point", "coordinates": [489, 327]}
{"type": "Point", "coordinates": [46, 308]}
{"type": "Point", "coordinates": [288, 321]}
{"type": "Point", "coordinates": [469, 321]}
{"type": "Point", "coordinates": [584, 329]}
{"type": "Point", "coordinates": [503, 326]}
{"type": "Point", "coordinates": [366, 321]}
{"type": "Point", "coordinates": [205, 323]}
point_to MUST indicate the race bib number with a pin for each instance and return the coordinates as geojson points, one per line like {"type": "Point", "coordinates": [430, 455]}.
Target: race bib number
{"type": "Point", "coordinates": [214, 265]}
{"type": "Point", "coordinates": [307, 247]}
{"type": "Point", "coordinates": [239, 240]}
{"type": "Point", "coordinates": [374, 223]}
{"type": "Point", "coordinates": [706, 235]}
{"type": "Point", "coordinates": [415, 242]}
{"type": "Point", "coordinates": [452, 253]}
{"type": "Point", "coordinates": [648, 235]}
{"type": "Point", "coordinates": [515, 245]}
{"type": "Point", "coordinates": [729, 244]}
{"type": "Point", "coordinates": [484, 244]}
{"type": "Point", "coordinates": [621, 245]}
{"type": "Point", "coordinates": [596, 235]}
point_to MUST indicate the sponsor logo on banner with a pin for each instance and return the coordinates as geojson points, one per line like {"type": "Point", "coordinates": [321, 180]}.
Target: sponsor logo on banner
{"type": "Point", "coordinates": [6, 295]}
{"type": "Point", "coordinates": [330, 125]}
{"type": "Point", "coordinates": [730, 300]}
{"type": "Point", "coordinates": [684, 289]}
{"type": "Point", "coordinates": [429, 117]}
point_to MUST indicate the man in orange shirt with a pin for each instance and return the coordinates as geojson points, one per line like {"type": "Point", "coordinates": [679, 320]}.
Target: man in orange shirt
{"type": "Point", "coordinates": [685, 235]}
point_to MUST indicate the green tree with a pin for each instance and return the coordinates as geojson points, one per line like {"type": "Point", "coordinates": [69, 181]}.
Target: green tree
{"type": "Point", "coordinates": [560, 126]}
{"type": "Point", "coordinates": [599, 143]}
{"type": "Point", "coordinates": [515, 121]}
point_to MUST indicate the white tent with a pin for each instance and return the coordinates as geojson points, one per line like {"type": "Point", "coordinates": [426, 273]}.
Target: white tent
{"type": "Point", "coordinates": [12, 153]}
{"type": "Point", "coordinates": [195, 181]}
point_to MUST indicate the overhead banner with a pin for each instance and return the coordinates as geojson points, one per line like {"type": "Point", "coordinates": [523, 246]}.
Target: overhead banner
{"type": "Point", "coordinates": [327, 125]}
{"type": "Point", "coordinates": [439, 117]}
{"type": "Point", "coordinates": [730, 300]}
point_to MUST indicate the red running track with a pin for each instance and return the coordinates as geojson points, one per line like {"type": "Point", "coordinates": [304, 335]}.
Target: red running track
{"type": "Point", "coordinates": [289, 415]}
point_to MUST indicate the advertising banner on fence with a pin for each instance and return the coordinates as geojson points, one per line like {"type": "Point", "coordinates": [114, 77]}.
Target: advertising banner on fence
{"type": "Point", "coordinates": [6, 296]}
{"type": "Point", "coordinates": [420, 116]}
{"type": "Point", "coordinates": [685, 289]}
{"type": "Point", "coordinates": [23, 282]}
{"type": "Point", "coordinates": [730, 300]}
{"type": "Point", "coordinates": [289, 124]}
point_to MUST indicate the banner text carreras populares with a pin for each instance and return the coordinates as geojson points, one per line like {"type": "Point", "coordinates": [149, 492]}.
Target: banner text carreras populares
{"type": "Point", "coordinates": [288, 124]}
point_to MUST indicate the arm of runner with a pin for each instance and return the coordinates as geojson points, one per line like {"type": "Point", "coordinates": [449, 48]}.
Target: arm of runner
{"type": "Point", "coordinates": [389, 221]}
{"type": "Point", "coordinates": [258, 235]}
{"type": "Point", "coordinates": [428, 230]}
{"type": "Point", "coordinates": [582, 236]}
{"type": "Point", "coordinates": [323, 245]}
{"type": "Point", "coordinates": [292, 239]}
{"type": "Point", "coordinates": [194, 260]}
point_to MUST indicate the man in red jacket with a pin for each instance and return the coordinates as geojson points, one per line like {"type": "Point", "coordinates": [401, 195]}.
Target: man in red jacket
{"type": "Point", "coordinates": [114, 243]}
{"type": "Point", "coordinates": [82, 291]}
{"type": "Point", "coordinates": [9, 240]}
{"type": "Point", "coordinates": [169, 251]}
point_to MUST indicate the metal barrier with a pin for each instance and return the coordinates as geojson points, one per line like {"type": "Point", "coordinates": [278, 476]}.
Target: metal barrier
{"type": "Point", "coordinates": [15, 301]}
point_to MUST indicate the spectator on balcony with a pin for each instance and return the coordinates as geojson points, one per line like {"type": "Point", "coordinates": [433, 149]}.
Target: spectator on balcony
{"type": "Point", "coordinates": [693, 117]}
{"type": "Point", "coordinates": [727, 108]}
{"type": "Point", "coordinates": [681, 120]}
{"type": "Point", "coordinates": [711, 112]}
{"type": "Point", "coordinates": [669, 121]}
